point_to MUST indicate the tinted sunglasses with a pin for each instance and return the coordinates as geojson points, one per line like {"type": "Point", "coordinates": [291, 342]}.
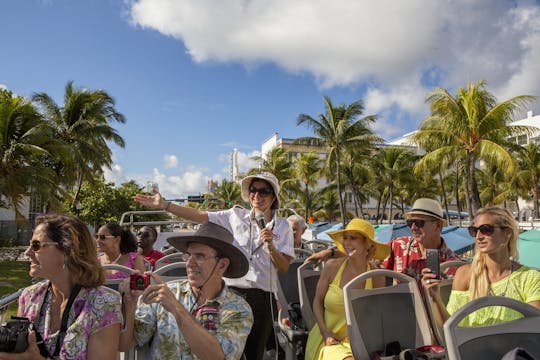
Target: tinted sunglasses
{"type": "Point", "coordinates": [143, 234]}
{"type": "Point", "coordinates": [103, 237]}
{"type": "Point", "coordinates": [36, 245]}
{"type": "Point", "coordinates": [418, 222]}
{"type": "Point", "coordinates": [485, 229]}
{"type": "Point", "coordinates": [262, 191]}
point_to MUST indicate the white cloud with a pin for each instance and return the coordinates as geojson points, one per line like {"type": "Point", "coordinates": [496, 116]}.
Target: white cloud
{"type": "Point", "coordinates": [170, 161]}
{"type": "Point", "coordinates": [115, 174]}
{"type": "Point", "coordinates": [389, 44]}
{"type": "Point", "coordinates": [2, 86]}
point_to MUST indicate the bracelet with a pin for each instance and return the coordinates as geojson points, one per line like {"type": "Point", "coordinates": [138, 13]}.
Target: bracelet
{"type": "Point", "coordinates": [331, 252]}
{"type": "Point", "coordinates": [167, 207]}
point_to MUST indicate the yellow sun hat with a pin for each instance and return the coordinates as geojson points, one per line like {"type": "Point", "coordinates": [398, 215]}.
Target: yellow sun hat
{"type": "Point", "coordinates": [364, 228]}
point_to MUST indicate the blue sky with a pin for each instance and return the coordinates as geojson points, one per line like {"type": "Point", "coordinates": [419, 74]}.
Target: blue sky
{"type": "Point", "coordinates": [197, 78]}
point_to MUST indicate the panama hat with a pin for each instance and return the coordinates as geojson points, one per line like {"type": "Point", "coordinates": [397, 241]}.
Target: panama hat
{"type": "Point", "coordinates": [366, 229]}
{"type": "Point", "coordinates": [266, 176]}
{"type": "Point", "coordinates": [220, 239]}
{"type": "Point", "coordinates": [429, 207]}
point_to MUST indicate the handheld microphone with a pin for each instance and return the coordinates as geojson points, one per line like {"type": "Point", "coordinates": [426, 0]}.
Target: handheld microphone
{"type": "Point", "coordinates": [259, 216]}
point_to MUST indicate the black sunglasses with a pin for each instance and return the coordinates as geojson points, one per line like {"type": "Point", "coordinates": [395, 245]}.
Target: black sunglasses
{"type": "Point", "coordinates": [418, 222]}
{"type": "Point", "coordinates": [143, 234]}
{"type": "Point", "coordinates": [262, 191]}
{"type": "Point", "coordinates": [36, 245]}
{"type": "Point", "coordinates": [103, 237]}
{"type": "Point", "coordinates": [485, 229]}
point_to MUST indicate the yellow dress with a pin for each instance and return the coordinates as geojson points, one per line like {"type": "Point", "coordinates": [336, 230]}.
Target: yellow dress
{"type": "Point", "coordinates": [334, 317]}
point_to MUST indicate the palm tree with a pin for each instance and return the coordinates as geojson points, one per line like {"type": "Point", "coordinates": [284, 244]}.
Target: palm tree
{"type": "Point", "coordinates": [24, 140]}
{"type": "Point", "coordinates": [227, 194]}
{"type": "Point", "coordinates": [529, 161]}
{"type": "Point", "coordinates": [307, 168]}
{"type": "Point", "coordinates": [472, 125]}
{"type": "Point", "coordinates": [83, 124]}
{"type": "Point", "coordinates": [338, 126]}
{"type": "Point", "coordinates": [394, 165]}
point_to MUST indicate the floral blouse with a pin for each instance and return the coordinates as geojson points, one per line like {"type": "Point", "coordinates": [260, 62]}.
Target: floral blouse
{"type": "Point", "coordinates": [228, 317]}
{"type": "Point", "coordinates": [92, 310]}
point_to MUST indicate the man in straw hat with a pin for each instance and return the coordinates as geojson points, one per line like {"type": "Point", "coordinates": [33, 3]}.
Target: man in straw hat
{"type": "Point", "coordinates": [265, 239]}
{"type": "Point", "coordinates": [197, 317]}
{"type": "Point", "coordinates": [408, 253]}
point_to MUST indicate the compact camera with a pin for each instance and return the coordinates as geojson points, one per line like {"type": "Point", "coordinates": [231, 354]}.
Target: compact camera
{"type": "Point", "coordinates": [138, 281]}
{"type": "Point", "coordinates": [13, 335]}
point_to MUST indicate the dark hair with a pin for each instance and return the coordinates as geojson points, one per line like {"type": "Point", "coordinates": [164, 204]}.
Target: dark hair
{"type": "Point", "coordinates": [75, 239]}
{"type": "Point", "coordinates": [127, 240]}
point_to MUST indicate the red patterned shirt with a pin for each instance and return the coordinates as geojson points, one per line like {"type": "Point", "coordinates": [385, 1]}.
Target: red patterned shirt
{"type": "Point", "coordinates": [405, 257]}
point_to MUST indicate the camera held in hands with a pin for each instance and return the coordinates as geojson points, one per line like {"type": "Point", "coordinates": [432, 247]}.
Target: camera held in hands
{"type": "Point", "coordinates": [138, 281]}
{"type": "Point", "coordinates": [14, 334]}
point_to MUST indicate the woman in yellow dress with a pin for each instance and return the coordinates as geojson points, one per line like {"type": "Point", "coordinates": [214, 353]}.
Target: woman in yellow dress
{"type": "Point", "coordinates": [328, 340]}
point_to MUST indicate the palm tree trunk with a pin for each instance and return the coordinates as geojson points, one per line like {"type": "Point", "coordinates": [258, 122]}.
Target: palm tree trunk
{"type": "Point", "coordinates": [307, 201]}
{"type": "Point", "coordinates": [444, 196]}
{"type": "Point", "coordinates": [340, 196]}
{"type": "Point", "coordinates": [535, 196]}
{"type": "Point", "coordinates": [475, 196]}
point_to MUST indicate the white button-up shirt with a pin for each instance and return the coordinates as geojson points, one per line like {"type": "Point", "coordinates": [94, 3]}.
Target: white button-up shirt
{"type": "Point", "coordinates": [241, 223]}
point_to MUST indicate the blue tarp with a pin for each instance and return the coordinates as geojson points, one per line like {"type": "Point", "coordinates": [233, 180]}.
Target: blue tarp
{"type": "Point", "coordinates": [529, 248]}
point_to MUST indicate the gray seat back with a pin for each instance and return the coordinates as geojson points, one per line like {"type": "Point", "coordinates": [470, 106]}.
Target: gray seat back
{"type": "Point", "coordinates": [168, 259]}
{"type": "Point", "coordinates": [492, 342]}
{"type": "Point", "coordinates": [377, 317]}
{"type": "Point", "coordinates": [173, 271]}
{"type": "Point", "coordinates": [307, 285]}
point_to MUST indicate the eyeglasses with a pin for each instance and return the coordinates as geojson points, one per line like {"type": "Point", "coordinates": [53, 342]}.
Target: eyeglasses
{"type": "Point", "coordinates": [485, 229]}
{"type": "Point", "coordinates": [262, 191]}
{"type": "Point", "coordinates": [199, 258]}
{"type": "Point", "coordinates": [143, 234]}
{"type": "Point", "coordinates": [418, 222]}
{"type": "Point", "coordinates": [103, 237]}
{"type": "Point", "coordinates": [36, 245]}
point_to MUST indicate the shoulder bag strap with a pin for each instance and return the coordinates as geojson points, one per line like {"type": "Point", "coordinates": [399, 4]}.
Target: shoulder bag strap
{"type": "Point", "coordinates": [65, 316]}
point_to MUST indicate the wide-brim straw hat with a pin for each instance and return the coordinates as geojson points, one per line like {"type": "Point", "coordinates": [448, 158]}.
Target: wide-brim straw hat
{"type": "Point", "coordinates": [364, 228]}
{"type": "Point", "coordinates": [219, 238]}
{"type": "Point", "coordinates": [429, 207]}
{"type": "Point", "coordinates": [266, 176]}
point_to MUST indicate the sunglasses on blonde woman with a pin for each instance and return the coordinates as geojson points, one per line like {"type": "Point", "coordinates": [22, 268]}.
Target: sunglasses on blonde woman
{"type": "Point", "coordinates": [36, 245]}
{"type": "Point", "coordinates": [484, 229]}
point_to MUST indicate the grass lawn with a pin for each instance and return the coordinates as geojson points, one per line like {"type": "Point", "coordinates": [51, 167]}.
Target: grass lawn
{"type": "Point", "coordinates": [13, 276]}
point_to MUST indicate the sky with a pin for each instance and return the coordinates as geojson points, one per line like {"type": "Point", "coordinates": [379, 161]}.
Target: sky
{"type": "Point", "coordinates": [196, 79]}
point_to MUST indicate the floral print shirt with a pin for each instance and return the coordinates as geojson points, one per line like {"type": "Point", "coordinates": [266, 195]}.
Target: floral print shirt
{"type": "Point", "coordinates": [405, 257]}
{"type": "Point", "coordinates": [228, 317]}
{"type": "Point", "coordinates": [92, 310]}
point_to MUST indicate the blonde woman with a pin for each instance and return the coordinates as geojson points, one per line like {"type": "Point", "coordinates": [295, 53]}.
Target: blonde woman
{"type": "Point", "coordinates": [328, 339]}
{"type": "Point", "coordinates": [493, 271]}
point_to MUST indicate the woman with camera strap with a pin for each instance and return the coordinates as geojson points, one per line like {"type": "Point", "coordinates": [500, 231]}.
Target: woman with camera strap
{"type": "Point", "coordinates": [73, 315]}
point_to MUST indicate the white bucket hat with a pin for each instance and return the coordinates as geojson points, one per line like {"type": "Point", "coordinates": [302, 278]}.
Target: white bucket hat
{"type": "Point", "coordinates": [429, 207]}
{"type": "Point", "coordinates": [266, 176]}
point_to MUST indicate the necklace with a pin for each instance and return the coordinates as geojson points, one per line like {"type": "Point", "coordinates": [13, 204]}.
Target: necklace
{"type": "Point", "coordinates": [118, 257]}
{"type": "Point", "coordinates": [507, 282]}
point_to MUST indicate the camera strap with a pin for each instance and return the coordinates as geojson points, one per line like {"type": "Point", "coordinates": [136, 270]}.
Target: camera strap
{"type": "Point", "coordinates": [63, 326]}
{"type": "Point", "coordinates": [65, 316]}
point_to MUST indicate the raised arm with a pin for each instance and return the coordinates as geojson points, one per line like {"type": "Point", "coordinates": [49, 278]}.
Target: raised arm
{"type": "Point", "coordinates": [156, 201]}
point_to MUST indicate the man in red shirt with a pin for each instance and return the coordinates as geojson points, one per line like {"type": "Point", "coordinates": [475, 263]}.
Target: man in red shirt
{"type": "Point", "coordinates": [146, 237]}
{"type": "Point", "coordinates": [408, 253]}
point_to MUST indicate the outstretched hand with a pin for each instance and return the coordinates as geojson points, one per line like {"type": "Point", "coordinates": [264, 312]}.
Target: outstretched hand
{"type": "Point", "coordinates": [155, 201]}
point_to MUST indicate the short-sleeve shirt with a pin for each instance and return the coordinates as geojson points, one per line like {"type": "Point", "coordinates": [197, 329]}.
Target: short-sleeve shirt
{"type": "Point", "coordinates": [153, 255]}
{"type": "Point", "coordinates": [262, 273]}
{"type": "Point", "coordinates": [228, 317]}
{"type": "Point", "coordinates": [405, 257]}
{"type": "Point", "coordinates": [523, 285]}
{"type": "Point", "coordinates": [92, 310]}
